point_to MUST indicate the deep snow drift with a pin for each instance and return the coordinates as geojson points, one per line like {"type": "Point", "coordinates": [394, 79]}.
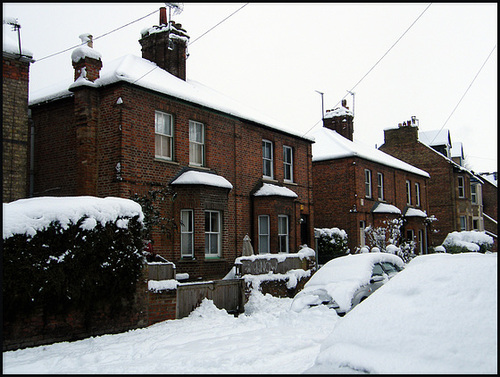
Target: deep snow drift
{"type": "Point", "coordinates": [439, 315]}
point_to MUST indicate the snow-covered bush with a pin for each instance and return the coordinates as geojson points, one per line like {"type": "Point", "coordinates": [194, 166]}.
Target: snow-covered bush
{"type": "Point", "coordinates": [332, 243]}
{"type": "Point", "coordinates": [60, 252]}
{"type": "Point", "coordinates": [467, 241]}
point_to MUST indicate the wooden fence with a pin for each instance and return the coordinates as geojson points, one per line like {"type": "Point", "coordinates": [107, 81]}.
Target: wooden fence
{"type": "Point", "coordinates": [225, 294]}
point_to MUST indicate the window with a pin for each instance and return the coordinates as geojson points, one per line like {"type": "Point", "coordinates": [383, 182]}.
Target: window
{"type": "Point", "coordinates": [267, 158]}
{"type": "Point", "coordinates": [288, 163]}
{"type": "Point", "coordinates": [368, 183]}
{"type": "Point", "coordinates": [163, 135]}
{"type": "Point", "coordinates": [264, 234]}
{"type": "Point", "coordinates": [212, 234]}
{"type": "Point", "coordinates": [380, 186]}
{"type": "Point", "coordinates": [410, 235]}
{"type": "Point", "coordinates": [417, 194]}
{"type": "Point", "coordinates": [473, 193]}
{"type": "Point", "coordinates": [283, 233]}
{"type": "Point", "coordinates": [408, 192]}
{"type": "Point", "coordinates": [461, 187]}
{"type": "Point", "coordinates": [196, 143]}
{"type": "Point", "coordinates": [475, 224]}
{"type": "Point", "coordinates": [421, 241]}
{"type": "Point", "coordinates": [463, 223]}
{"type": "Point", "coordinates": [187, 233]}
{"type": "Point", "coordinates": [362, 233]}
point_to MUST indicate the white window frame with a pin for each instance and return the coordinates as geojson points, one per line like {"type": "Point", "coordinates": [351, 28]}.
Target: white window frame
{"type": "Point", "coordinates": [264, 238]}
{"type": "Point", "coordinates": [417, 194]}
{"type": "Point", "coordinates": [463, 223]}
{"type": "Point", "coordinates": [196, 146]}
{"type": "Point", "coordinates": [380, 186]}
{"type": "Point", "coordinates": [461, 187]}
{"type": "Point", "coordinates": [267, 159]}
{"type": "Point", "coordinates": [368, 183]}
{"type": "Point", "coordinates": [421, 241]}
{"type": "Point", "coordinates": [163, 137]}
{"type": "Point", "coordinates": [283, 234]}
{"type": "Point", "coordinates": [288, 165]}
{"type": "Point", "coordinates": [362, 235]}
{"type": "Point", "coordinates": [408, 192]}
{"type": "Point", "coordinates": [473, 193]}
{"type": "Point", "coordinates": [187, 233]}
{"type": "Point", "coordinates": [212, 235]}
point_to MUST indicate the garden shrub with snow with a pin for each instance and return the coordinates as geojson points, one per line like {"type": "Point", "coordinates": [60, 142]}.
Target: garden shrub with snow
{"type": "Point", "coordinates": [467, 241]}
{"type": "Point", "coordinates": [62, 251]}
{"type": "Point", "coordinates": [332, 243]}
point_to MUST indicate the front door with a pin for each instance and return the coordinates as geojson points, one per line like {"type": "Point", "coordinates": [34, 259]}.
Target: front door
{"type": "Point", "coordinates": [304, 230]}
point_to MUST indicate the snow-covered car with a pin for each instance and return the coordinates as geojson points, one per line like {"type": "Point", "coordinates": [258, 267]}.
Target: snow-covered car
{"type": "Point", "coordinates": [344, 282]}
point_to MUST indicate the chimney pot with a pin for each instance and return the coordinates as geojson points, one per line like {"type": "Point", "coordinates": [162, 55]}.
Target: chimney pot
{"type": "Point", "coordinates": [344, 103]}
{"type": "Point", "coordinates": [163, 16]}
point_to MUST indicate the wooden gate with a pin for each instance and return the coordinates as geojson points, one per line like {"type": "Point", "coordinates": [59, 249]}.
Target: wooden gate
{"type": "Point", "coordinates": [226, 294]}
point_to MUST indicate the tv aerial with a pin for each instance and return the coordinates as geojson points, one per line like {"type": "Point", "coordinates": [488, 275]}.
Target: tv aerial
{"type": "Point", "coordinates": [176, 8]}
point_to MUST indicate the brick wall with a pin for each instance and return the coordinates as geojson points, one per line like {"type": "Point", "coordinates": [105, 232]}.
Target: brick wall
{"type": "Point", "coordinates": [339, 191]}
{"type": "Point", "coordinates": [442, 188]}
{"type": "Point", "coordinates": [15, 129]}
{"type": "Point", "coordinates": [92, 134]}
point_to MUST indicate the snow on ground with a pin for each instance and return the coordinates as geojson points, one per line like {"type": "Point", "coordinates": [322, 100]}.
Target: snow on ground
{"type": "Point", "coordinates": [439, 315]}
{"type": "Point", "coordinates": [267, 338]}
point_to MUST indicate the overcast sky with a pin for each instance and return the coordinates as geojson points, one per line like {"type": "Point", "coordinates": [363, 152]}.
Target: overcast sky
{"type": "Point", "coordinates": [275, 57]}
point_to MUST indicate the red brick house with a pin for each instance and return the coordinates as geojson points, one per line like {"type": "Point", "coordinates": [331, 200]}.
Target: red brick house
{"type": "Point", "coordinates": [15, 124]}
{"type": "Point", "coordinates": [454, 191]}
{"type": "Point", "coordinates": [137, 124]}
{"type": "Point", "coordinates": [356, 186]}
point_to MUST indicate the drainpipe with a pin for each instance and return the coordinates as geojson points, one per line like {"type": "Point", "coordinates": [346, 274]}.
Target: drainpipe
{"type": "Point", "coordinates": [32, 154]}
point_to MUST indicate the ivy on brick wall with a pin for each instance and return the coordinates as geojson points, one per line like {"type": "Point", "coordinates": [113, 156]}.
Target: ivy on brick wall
{"type": "Point", "coordinates": [59, 268]}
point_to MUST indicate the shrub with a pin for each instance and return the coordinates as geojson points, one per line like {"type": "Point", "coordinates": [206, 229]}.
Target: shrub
{"type": "Point", "coordinates": [467, 241]}
{"type": "Point", "coordinates": [79, 263]}
{"type": "Point", "coordinates": [332, 243]}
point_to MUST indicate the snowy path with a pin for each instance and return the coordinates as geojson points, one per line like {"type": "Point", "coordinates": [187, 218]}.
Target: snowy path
{"type": "Point", "coordinates": [268, 338]}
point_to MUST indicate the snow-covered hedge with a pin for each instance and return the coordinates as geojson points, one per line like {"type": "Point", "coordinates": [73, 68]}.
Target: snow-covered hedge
{"type": "Point", "coordinates": [74, 250]}
{"type": "Point", "coordinates": [332, 243]}
{"type": "Point", "coordinates": [467, 241]}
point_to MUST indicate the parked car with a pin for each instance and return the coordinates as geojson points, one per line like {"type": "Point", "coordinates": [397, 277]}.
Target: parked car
{"type": "Point", "coordinates": [344, 282]}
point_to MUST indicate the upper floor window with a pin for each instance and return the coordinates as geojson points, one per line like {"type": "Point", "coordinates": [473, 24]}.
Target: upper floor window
{"type": "Point", "coordinates": [380, 186]}
{"type": "Point", "coordinates": [283, 233]}
{"type": "Point", "coordinates": [408, 192]}
{"type": "Point", "coordinates": [288, 163]}
{"type": "Point", "coordinates": [212, 233]}
{"type": "Point", "coordinates": [196, 143]}
{"type": "Point", "coordinates": [368, 183]}
{"type": "Point", "coordinates": [267, 159]}
{"type": "Point", "coordinates": [187, 233]}
{"type": "Point", "coordinates": [461, 187]}
{"type": "Point", "coordinates": [164, 135]}
{"type": "Point", "coordinates": [473, 193]}
{"type": "Point", "coordinates": [417, 194]}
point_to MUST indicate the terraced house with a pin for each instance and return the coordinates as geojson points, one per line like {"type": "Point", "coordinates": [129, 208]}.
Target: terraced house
{"type": "Point", "coordinates": [137, 124]}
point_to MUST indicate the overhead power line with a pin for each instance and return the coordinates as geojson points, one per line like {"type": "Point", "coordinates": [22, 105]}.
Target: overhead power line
{"type": "Point", "coordinates": [474, 79]}
{"type": "Point", "coordinates": [378, 61]}
{"type": "Point", "coordinates": [100, 36]}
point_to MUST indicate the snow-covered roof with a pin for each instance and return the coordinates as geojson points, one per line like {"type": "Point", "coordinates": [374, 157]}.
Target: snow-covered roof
{"type": "Point", "coordinates": [385, 208]}
{"type": "Point", "coordinates": [193, 177]}
{"type": "Point", "coordinates": [435, 137]}
{"type": "Point", "coordinates": [457, 150]}
{"type": "Point", "coordinates": [269, 189]}
{"type": "Point", "coordinates": [28, 216]}
{"type": "Point", "coordinates": [146, 74]}
{"type": "Point", "coordinates": [414, 212]}
{"type": "Point", "coordinates": [330, 145]}
{"type": "Point", "coordinates": [338, 112]}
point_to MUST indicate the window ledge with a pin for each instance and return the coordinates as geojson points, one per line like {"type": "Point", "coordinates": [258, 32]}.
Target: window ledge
{"type": "Point", "coordinates": [164, 160]}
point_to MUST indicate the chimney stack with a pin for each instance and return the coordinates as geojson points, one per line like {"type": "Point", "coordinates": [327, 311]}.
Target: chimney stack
{"type": "Point", "coordinates": [86, 61]}
{"type": "Point", "coordinates": [340, 120]}
{"type": "Point", "coordinates": [166, 45]}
